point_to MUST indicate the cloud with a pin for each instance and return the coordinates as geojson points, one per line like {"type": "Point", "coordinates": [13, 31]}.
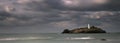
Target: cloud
{"type": "Point", "coordinates": [98, 15]}
{"type": "Point", "coordinates": [55, 5]}
{"type": "Point", "coordinates": [64, 24]}
{"type": "Point", "coordinates": [84, 5]}
{"type": "Point", "coordinates": [49, 14]}
{"type": "Point", "coordinates": [62, 19]}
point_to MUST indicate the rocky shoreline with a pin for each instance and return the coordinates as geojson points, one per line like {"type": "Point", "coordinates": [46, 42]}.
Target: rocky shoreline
{"type": "Point", "coordinates": [92, 29]}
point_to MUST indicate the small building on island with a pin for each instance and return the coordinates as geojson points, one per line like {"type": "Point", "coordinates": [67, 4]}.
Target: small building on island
{"type": "Point", "coordinates": [88, 29]}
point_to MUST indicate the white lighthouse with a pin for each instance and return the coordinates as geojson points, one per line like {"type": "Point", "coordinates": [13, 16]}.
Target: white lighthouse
{"type": "Point", "coordinates": [88, 26]}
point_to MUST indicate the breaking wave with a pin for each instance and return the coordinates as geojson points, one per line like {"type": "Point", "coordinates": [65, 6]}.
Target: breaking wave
{"type": "Point", "coordinates": [80, 38]}
{"type": "Point", "coordinates": [24, 38]}
{"type": "Point", "coordinates": [48, 38]}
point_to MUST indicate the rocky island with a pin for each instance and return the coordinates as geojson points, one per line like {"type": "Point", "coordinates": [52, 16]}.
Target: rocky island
{"type": "Point", "coordinates": [89, 29]}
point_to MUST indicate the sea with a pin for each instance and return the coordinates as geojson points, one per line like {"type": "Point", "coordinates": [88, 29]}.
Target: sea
{"type": "Point", "coordinates": [60, 38]}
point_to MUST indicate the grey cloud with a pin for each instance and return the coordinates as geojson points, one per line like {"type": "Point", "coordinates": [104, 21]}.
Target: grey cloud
{"type": "Point", "coordinates": [62, 19]}
{"type": "Point", "coordinates": [110, 6]}
{"type": "Point", "coordinates": [4, 15]}
{"type": "Point", "coordinates": [51, 14]}
{"type": "Point", "coordinates": [53, 5]}
{"type": "Point", "coordinates": [38, 6]}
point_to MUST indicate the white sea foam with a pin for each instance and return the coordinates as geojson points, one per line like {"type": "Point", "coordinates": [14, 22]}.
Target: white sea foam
{"type": "Point", "coordinates": [79, 38]}
{"type": "Point", "coordinates": [23, 38]}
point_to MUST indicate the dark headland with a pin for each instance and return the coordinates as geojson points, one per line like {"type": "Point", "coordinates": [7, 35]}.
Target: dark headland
{"type": "Point", "coordinates": [91, 29]}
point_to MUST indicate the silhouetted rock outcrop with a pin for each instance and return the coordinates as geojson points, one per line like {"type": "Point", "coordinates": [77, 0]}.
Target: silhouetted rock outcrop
{"type": "Point", "coordinates": [66, 31]}
{"type": "Point", "coordinates": [92, 29]}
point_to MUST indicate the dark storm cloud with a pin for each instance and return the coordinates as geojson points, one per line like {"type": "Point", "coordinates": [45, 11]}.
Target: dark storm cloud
{"type": "Point", "coordinates": [48, 5]}
{"type": "Point", "coordinates": [112, 19]}
{"type": "Point", "coordinates": [111, 5]}
{"type": "Point", "coordinates": [4, 15]}
{"type": "Point", "coordinates": [53, 14]}
{"type": "Point", "coordinates": [64, 19]}
{"type": "Point", "coordinates": [38, 6]}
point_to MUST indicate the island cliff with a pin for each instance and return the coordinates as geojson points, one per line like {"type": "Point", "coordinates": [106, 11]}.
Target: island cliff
{"type": "Point", "coordinates": [91, 29]}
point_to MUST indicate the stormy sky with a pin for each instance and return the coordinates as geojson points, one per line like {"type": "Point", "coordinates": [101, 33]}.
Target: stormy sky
{"type": "Point", "coordinates": [53, 16]}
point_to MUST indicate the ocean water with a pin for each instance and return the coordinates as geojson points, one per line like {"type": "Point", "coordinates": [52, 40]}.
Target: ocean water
{"type": "Point", "coordinates": [60, 38]}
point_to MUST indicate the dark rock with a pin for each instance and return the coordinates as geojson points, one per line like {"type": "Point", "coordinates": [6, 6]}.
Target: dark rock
{"type": "Point", "coordinates": [66, 31]}
{"type": "Point", "coordinates": [103, 40]}
{"type": "Point", "coordinates": [92, 29]}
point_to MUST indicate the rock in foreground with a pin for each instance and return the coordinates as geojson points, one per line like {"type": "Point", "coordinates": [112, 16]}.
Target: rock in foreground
{"type": "Point", "coordinates": [92, 29]}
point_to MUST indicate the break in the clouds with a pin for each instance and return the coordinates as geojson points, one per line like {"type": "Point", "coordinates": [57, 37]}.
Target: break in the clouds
{"type": "Point", "coordinates": [32, 16]}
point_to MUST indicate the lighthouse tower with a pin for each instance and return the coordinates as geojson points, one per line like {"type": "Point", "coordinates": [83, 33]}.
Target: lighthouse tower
{"type": "Point", "coordinates": [88, 26]}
